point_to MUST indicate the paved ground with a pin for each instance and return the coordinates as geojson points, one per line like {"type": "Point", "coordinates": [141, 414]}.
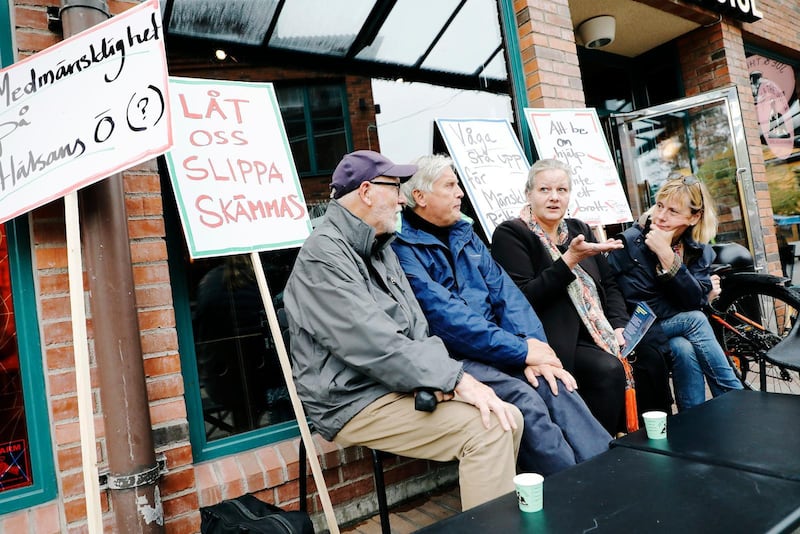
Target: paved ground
{"type": "Point", "coordinates": [413, 515]}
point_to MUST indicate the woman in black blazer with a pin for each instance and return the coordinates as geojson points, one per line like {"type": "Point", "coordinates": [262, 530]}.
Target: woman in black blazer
{"type": "Point", "coordinates": [562, 270]}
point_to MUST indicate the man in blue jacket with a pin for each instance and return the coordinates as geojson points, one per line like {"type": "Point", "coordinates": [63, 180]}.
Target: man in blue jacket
{"type": "Point", "coordinates": [485, 321]}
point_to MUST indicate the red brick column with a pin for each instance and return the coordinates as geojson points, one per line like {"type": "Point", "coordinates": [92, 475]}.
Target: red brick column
{"type": "Point", "coordinates": [549, 54]}
{"type": "Point", "coordinates": [713, 57]}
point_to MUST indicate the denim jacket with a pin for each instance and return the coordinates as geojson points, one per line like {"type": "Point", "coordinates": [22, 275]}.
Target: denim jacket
{"type": "Point", "coordinates": [635, 270]}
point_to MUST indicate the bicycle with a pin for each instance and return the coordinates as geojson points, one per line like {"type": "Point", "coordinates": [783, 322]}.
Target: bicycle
{"type": "Point", "coordinates": [755, 320]}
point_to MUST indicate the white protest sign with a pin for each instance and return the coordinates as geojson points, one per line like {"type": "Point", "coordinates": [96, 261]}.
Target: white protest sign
{"type": "Point", "coordinates": [90, 106]}
{"type": "Point", "coordinates": [491, 164]}
{"type": "Point", "coordinates": [575, 137]}
{"type": "Point", "coordinates": [232, 169]}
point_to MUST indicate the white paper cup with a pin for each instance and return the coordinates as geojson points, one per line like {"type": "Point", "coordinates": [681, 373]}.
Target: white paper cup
{"type": "Point", "coordinates": [656, 424]}
{"type": "Point", "coordinates": [530, 489]}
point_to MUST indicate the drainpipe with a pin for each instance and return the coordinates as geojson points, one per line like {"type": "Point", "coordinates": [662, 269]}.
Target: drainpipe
{"type": "Point", "coordinates": [133, 471]}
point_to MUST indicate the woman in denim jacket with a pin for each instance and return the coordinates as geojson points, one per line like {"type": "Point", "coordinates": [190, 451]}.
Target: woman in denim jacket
{"type": "Point", "coordinates": [666, 263]}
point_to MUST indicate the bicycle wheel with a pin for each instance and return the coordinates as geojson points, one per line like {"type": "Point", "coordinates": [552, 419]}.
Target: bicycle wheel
{"type": "Point", "coordinates": [761, 315]}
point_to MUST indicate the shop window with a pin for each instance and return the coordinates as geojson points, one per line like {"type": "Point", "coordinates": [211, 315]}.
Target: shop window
{"type": "Point", "coordinates": [235, 393]}
{"type": "Point", "coordinates": [26, 467]}
{"type": "Point", "coordinates": [774, 83]}
{"type": "Point", "coordinates": [315, 118]}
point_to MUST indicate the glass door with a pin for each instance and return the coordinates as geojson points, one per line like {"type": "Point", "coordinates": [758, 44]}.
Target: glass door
{"type": "Point", "coordinates": [701, 135]}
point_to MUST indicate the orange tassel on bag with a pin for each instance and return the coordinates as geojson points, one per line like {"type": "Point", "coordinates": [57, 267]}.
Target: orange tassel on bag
{"type": "Point", "coordinates": [631, 411]}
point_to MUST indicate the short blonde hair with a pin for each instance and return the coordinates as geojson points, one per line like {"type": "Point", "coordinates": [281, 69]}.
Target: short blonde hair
{"type": "Point", "coordinates": [690, 191]}
{"type": "Point", "coordinates": [544, 165]}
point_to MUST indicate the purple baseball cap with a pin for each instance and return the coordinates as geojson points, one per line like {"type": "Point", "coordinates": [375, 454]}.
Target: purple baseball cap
{"type": "Point", "coordinates": [363, 166]}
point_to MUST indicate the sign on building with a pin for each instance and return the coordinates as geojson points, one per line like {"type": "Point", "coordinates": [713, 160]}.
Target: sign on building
{"type": "Point", "coordinates": [491, 164]}
{"type": "Point", "coordinates": [232, 170]}
{"type": "Point", "coordinates": [575, 137]}
{"type": "Point", "coordinates": [83, 109]}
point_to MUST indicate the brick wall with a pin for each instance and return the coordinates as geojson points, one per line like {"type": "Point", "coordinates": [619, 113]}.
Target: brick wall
{"type": "Point", "coordinates": [549, 54]}
{"type": "Point", "coordinates": [778, 29]}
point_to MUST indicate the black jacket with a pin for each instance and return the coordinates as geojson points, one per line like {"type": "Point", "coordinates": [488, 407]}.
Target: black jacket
{"type": "Point", "coordinates": [545, 282]}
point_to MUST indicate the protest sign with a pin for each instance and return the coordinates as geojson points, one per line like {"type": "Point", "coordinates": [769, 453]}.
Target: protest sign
{"type": "Point", "coordinates": [232, 170]}
{"type": "Point", "coordinates": [83, 109]}
{"type": "Point", "coordinates": [491, 164]}
{"type": "Point", "coordinates": [575, 137]}
{"type": "Point", "coordinates": [238, 191]}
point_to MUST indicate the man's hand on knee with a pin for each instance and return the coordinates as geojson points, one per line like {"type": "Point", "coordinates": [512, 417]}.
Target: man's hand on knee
{"type": "Point", "coordinates": [540, 353]}
{"type": "Point", "coordinates": [484, 398]}
{"type": "Point", "coordinates": [551, 375]}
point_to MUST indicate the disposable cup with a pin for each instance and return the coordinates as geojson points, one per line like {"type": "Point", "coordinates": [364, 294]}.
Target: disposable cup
{"type": "Point", "coordinates": [529, 488]}
{"type": "Point", "coordinates": [656, 424]}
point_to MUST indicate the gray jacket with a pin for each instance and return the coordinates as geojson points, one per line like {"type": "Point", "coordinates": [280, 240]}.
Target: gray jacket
{"type": "Point", "coordinates": [357, 331]}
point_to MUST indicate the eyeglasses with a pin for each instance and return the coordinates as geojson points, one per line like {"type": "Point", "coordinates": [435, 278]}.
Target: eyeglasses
{"type": "Point", "coordinates": [393, 184]}
{"type": "Point", "coordinates": [689, 180]}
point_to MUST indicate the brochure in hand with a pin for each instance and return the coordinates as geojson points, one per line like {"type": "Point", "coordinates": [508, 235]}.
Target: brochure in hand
{"type": "Point", "coordinates": [640, 322]}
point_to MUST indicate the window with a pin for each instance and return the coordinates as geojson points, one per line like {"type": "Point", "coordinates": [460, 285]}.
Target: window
{"type": "Point", "coordinates": [774, 83]}
{"type": "Point", "coordinates": [27, 477]}
{"type": "Point", "coordinates": [236, 396]}
{"type": "Point", "coordinates": [26, 465]}
{"type": "Point", "coordinates": [315, 118]}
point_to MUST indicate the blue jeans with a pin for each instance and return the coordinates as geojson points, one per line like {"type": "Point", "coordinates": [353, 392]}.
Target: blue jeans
{"type": "Point", "coordinates": [696, 354]}
{"type": "Point", "coordinates": [559, 432]}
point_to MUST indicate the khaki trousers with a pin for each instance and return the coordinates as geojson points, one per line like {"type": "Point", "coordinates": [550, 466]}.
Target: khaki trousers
{"type": "Point", "coordinates": [454, 431]}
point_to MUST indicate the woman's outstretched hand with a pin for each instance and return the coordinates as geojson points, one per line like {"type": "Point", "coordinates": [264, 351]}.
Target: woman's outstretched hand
{"type": "Point", "coordinates": [580, 249]}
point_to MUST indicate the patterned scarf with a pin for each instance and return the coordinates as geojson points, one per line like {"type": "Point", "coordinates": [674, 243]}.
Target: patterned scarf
{"type": "Point", "coordinates": [584, 296]}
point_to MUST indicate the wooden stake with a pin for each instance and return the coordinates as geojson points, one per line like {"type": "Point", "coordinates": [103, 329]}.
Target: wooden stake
{"type": "Point", "coordinates": [80, 347]}
{"type": "Point", "coordinates": [286, 366]}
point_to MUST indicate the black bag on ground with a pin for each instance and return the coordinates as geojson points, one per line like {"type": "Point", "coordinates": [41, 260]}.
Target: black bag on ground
{"type": "Point", "coordinates": [250, 514]}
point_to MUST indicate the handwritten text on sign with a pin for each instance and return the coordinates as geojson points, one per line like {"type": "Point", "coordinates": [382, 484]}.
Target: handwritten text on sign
{"type": "Point", "coordinates": [232, 170]}
{"type": "Point", "coordinates": [574, 136]}
{"type": "Point", "coordinates": [82, 110]}
{"type": "Point", "coordinates": [491, 164]}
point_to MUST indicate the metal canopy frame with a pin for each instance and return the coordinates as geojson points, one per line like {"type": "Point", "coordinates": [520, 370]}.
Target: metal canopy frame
{"type": "Point", "coordinates": [193, 39]}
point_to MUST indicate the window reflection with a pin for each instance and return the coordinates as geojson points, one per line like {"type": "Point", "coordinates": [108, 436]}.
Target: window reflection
{"type": "Point", "coordinates": [15, 469]}
{"type": "Point", "coordinates": [775, 91]}
{"type": "Point", "coordinates": [241, 382]}
{"type": "Point", "coordinates": [314, 118]}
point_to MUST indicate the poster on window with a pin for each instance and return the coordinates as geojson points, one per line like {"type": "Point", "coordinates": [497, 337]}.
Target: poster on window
{"type": "Point", "coordinates": [83, 109]}
{"type": "Point", "coordinates": [575, 137]}
{"type": "Point", "coordinates": [15, 465]}
{"type": "Point", "coordinates": [773, 85]}
{"type": "Point", "coordinates": [491, 165]}
{"type": "Point", "coordinates": [232, 170]}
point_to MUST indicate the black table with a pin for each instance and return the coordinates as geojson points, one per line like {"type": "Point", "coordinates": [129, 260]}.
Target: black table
{"type": "Point", "coordinates": [748, 430]}
{"type": "Point", "coordinates": [627, 490]}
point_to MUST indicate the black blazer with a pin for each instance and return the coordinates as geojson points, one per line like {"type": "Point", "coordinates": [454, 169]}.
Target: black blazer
{"type": "Point", "coordinates": [545, 282]}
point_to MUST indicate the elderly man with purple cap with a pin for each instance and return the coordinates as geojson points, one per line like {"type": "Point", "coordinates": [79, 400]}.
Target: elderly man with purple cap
{"type": "Point", "coordinates": [360, 344]}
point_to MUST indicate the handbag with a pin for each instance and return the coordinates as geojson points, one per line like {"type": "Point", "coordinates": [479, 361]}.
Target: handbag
{"type": "Point", "coordinates": [247, 513]}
